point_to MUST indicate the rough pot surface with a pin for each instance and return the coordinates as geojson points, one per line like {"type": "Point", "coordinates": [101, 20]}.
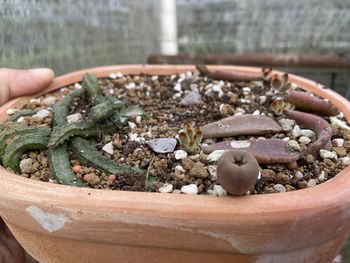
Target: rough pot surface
{"type": "Point", "coordinates": [57, 223]}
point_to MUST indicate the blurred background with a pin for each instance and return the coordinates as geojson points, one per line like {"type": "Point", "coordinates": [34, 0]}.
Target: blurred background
{"type": "Point", "coordinates": [309, 38]}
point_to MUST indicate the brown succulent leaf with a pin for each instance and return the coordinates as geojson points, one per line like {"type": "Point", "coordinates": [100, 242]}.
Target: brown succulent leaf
{"type": "Point", "coordinates": [306, 102]}
{"type": "Point", "coordinates": [226, 75]}
{"type": "Point", "coordinates": [266, 151]}
{"type": "Point", "coordinates": [321, 127]}
{"type": "Point", "coordinates": [247, 124]}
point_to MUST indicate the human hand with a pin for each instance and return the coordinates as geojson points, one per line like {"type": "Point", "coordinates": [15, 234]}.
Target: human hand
{"type": "Point", "coordinates": [15, 83]}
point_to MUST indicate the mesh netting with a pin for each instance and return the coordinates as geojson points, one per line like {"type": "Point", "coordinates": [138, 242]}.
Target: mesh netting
{"type": "Point", "coordinates": [71, 34]}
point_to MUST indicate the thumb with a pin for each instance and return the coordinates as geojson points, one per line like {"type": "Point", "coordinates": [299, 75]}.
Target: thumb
{"type": "Point", "coordinates": [15, 83]}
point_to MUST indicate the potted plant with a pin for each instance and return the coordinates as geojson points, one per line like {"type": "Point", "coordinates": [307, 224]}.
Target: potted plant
{"type": "Point", "coordinates": [57, 223]}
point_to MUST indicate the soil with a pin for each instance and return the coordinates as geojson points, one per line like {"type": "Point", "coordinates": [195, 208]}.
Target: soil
{"type": "Point", "coordinates": [162, 97]}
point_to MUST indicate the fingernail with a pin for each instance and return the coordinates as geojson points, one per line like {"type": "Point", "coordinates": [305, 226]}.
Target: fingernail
{"type": "Point", "coordinates": [44, 72]}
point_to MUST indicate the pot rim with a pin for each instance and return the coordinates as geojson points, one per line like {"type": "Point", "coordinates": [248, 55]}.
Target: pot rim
{"type": "Point", "coordinates": [333, 193]}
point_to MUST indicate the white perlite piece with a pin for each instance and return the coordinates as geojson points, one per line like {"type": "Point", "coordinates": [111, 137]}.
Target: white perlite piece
{"type": "Point", "coordinates": [11, 111]}
{"type": "Point", "coordinates": [338, 142]}
{"type": "Point", "coordinates": [166, 188]}
{"type": "Point", "coordinates": [177, 87]}
{"type": "Point", "coordinates": [304, 140]}
{"type": "Point", "coordinates": [108, 148]}
{"type": "Point", "coordinates": [212, 172]}
{"type": "Point", "coordinates": [257, 112]}
{"type": "Point", "coordinates": [240, 144]}
{"type": "Point", "coordinates": [340, 123]}
{"type": "Point", "coordinates": [279, 188]}
{"type": "Point", "coordinates": [307, 133]}
{"type": "Point", "coordinates": [311, 183]}
{"type": "Point", "coordinates": [345, 160]}
{"type": "Point", "coordinates": [76, 117]}
{"type": "Point", "coordinates": [262, 99]}
{"type": "Point", "coordinates": [180, 154]}
{"type": "Point", "coordinates": [219, 190]}
{"type": "Point", "coordinates": [286, 124]}
{"type": "Point", "coordinates": [41, 114]}
{"type": "Point", "coordinates": [132, 125]}
{"type": "Point", "coordinates": [190, 189]}
{"type": "Point", "coordinates": [328, 154]}
{"type": "Point", "coordinates": [49, 101]}
{"type": "Point", "coordinates": [321, 177]}
{"type": "Point", "coordinates": [180, 168]}
{"type": "Point", "coordinates": [77, 86]}
{"type": "Point", "coordinates": [20, 119]}
{"type": "Point", "coordinates": [296, 131]}
{"type": "Point", "coordinates": [215, 155]}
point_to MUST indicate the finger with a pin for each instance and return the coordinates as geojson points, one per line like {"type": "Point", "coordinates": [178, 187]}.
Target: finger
{"type": "Point", "coordinates": [15, 83]}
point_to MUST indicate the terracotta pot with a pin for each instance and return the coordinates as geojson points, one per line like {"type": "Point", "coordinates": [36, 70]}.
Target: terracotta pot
{"type": "Point", "coordinates": [57, 223]}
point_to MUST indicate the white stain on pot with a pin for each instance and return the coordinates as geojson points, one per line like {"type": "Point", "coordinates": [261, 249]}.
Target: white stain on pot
{"type": "Point", "coordinates": [50, 221]}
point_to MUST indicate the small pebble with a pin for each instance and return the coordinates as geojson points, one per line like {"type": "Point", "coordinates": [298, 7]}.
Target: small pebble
{"type": "Point", "coordinates": [212, 172]}
{"type": "Point", "coordinates": [341, 151]}
{"type": "Point", "coordinates": [190, 189]}
{"type": "Point", "coordinates": [328, 154]}
{"type": "Point", "coordinates": [311, 183]}
{"type": "Point", "coordinates": [340, 123]}
{"type": "Point", "coordinates": [307, 133]}
{"type": "Point", "coordinates": [162, 145]}
{"type": "Point", "coordinates": [180, 154]}
{"type": "Point", "coordinates": [108, 148]}
{"type": "Point", "coordinates": [49, 101]}
{"type": "Point", "coordinates": [177, 87]}
{"type": "Point", "coordinates": [262, 99]}
{"type": "Point", "coordinates": [257, 112]}
{"type": "Point", "coordinates": [77, 169]}
{"type": "Point", "coordinates": [26, 165]}
{"type": "Point", "coordinates": [180, 168]}
{"type": "Point", "coordinates": [296, 131]}
{"type": "Point", "coordinates": [321, 177]}
{"type": "Point", "coordinates": [219, 190]}
{"type": "Point", "coordinates": [215, 155]}
{"type": "Point", "coordinates": [279, 188]}
{"type": "Point", "coordinates": [338, 142]}
{"type": "Point", "coordinates": [132, 125]}
{"type": "Point", "coordinates": [76, 117]}
{"type": "Point", "coordinates": [304, 140]}
{"type": "Point", "coordinates": [192, 98]}
{"type": "Point", "coordinates": [286, 124]}
{"type": "Point", "coordinates": [294, 144]}
{"type": "Point", "coordinates": [11, 111]}
{"type": "Point", "coordinates": [42, 114]}
{"type": "Point", "coordinates": [299, 175]}
{"type": "Point", "coordinates": [345, 161]}
{"type": "Point", "coordinates": [166, 188]}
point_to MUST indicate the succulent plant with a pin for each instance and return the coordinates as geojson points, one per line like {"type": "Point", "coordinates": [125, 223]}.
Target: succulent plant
{"type": "Point", "coordinates": [190, 137]}
{"type": "Point", "coordinates": [21, 138]}
{"type": "Point", "coordinates": [237, 171]}
{"type": "Point", "coordinates": [247, 124]}
{"type": "Point", "coordinates": [279, 82]}
{"type": "Point", "coordinates": [279, 105]}
{"type": "Point", "coordinates": [306, 102]}
{"type": "Point", "coordinates": [226, 75]}
{"type": "Point", "coordinates": [321, 127]}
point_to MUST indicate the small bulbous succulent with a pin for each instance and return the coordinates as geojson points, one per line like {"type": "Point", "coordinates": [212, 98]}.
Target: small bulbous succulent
{"type": "Point", "coordinates": [279, 82]}
{"type": "Point", "coordinates": [190, 137]}
{"type": "Point", "coordinates": [279, 105]}
{"type": "Point", "coordinates": [237, 171]}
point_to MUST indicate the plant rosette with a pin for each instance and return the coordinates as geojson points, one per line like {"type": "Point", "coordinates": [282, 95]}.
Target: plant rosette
{"type": "Point", "coordinates": [59, 223]}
